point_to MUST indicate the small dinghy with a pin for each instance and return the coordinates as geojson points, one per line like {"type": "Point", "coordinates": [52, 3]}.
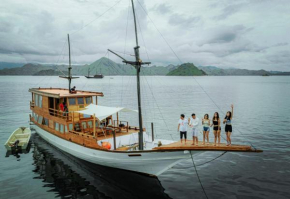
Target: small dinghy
{"type": "Point", "coordinates": [19, 139]}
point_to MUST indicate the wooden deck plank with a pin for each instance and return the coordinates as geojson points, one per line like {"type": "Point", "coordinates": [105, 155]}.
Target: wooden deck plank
{"type": "Point", "coordinates": [207, 147]}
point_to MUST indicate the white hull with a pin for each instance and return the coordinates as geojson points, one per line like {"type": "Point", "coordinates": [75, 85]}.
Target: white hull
{"type": "Point", "coordinates": [149, 162]}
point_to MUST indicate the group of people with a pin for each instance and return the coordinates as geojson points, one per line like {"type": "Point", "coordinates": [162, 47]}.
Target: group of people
{"type": "Point", "coordinates": [193, 123]}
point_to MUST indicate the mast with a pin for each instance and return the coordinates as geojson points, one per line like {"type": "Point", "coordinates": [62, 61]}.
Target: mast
{"type": "Point", "coordinates": [69, 67]}
{"type": "Point", "coordinates": [137, 65]}
{"type": "Point", "coordinates": [69, 77]}
{"type": "Point", "coordinates": [138, 68]}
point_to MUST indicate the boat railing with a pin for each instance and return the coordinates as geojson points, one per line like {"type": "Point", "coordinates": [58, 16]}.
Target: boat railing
{"type": "Point", "coordinates": [32, 104]}
{"type": "Point", "coordinates": [120, 124]}
{"type": "Point", "coordinates": [60, 114]}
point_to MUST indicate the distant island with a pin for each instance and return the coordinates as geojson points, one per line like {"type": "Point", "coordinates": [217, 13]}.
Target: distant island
{"type": "Point", "coordinates": [187, 69]}
{"type": "Point", "coordinates": [108, 67]}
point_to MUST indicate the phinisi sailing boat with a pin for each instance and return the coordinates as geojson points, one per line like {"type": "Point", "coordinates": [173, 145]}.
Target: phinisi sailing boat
{"type": "Point", "coordinates": [71, 122]}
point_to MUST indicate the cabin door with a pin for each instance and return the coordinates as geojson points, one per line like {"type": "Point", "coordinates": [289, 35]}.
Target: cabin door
{"type": "Point", "coordinates": [51, 105]}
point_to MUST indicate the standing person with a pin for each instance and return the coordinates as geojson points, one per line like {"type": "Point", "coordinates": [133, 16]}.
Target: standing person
{"type": "Point", "coordinates": [216, 123]}
{"type": "Point", "coordinates": [182, 127]}
{"type": "Point", "coordinates": [228, 126]}
{"type": "Point", "coordinates": [194, 121]}
{"type": "Point", "coordinates": [206, 125]}
{"type": "Point", "coordinates": [61, 108]}
{"type": "Point", "coordinates": [65, 109]}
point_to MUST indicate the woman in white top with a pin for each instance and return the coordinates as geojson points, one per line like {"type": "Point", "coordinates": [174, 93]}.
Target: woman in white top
{"type": "Point", "coordinates": [206, 125]}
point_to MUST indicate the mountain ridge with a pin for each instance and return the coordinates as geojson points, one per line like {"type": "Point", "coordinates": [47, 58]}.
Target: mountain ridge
{"type": "Point", "coordinates": [110, 68]}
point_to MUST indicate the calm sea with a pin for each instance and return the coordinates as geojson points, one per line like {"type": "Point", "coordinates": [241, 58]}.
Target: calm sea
{"type": "Point", "coordinates": [261, 118]}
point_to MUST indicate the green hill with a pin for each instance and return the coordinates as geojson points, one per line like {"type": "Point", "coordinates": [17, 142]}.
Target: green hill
{"type": "Point", "coordinates": [187, 69]}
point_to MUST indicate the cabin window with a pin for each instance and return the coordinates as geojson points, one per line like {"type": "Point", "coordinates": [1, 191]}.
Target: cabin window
{"type": "Point", "coordinates": [36, 99]}
{"type": "Point", "coordinates": [40, 101]}
{"type": "Point", "coordinates": [72, 101]}
{"type": "Point", "coordinates": [40, 118]}
{"type": "Point", "coordinates": [56, 126]}
{"type": "Point", "coordinates": [65, 129]}
{"type": "Point", "coordinates": [90, 124]}
{"type": "Point", "coordinates": [45, 121]}
{"type": "Point", "coordinates": [70, 126]}
{"type": "Point", "coordinates": [80, 100]}
{"type": "Point", "coordinates": [84, 125]}
{"type": "Point", "coordinates": [61, 128]}
{"type": "Point", "coordinates": [35, 117]}
{"type": "Point", "coordinates": [88, 100]}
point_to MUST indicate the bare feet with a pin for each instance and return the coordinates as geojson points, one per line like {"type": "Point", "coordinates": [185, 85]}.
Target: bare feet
{"type": "Point", "coordinates": [192, 144]}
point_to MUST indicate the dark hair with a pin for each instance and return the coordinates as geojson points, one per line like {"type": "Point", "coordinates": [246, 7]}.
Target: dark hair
{"type": "Point", "coordinates": [206, 115]}
{"type": "Point", "coordinates": [218, 117]}
{"type": "Point", "coordinates": [182, 115]}
{"type": "Point", "coordinates": [228, 118]}
{"type": "Point", "coordinates": [193, 114]}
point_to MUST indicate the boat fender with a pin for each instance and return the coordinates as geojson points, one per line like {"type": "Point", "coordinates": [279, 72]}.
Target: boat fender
{"type": "Point", "coordinates": [106, 145]}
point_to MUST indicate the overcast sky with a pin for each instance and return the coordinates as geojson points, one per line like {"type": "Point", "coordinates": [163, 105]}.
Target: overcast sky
{"type": "Point", "coordinates": [250, 34]}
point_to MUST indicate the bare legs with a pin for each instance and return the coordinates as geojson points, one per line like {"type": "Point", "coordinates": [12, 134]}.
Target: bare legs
{"type": "Point", "coordinates": [205, 137]}
{"type": "Point", "coordinates": [219, 136]}
{"type": "Point", "coordinates": [229, 138]}
{"type": "Point", "coordinates": [195, 140]}
{"type": "Point", "coordinates": [215, 133]}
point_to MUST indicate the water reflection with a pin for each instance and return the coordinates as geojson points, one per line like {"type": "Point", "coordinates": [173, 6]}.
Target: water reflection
{"type": "Point", "coordinates": [71, 177]}
{"type": "Point", "coordinates": [17, 152]}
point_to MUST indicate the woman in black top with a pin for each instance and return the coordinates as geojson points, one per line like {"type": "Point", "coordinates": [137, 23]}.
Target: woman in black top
{"type": "Point", "coordinates": [216, 128]}
{"type": "Point", "coordinates": [228, 125]}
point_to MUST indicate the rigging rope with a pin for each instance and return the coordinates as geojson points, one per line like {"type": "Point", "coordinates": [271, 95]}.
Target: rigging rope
{"type": "Point", "coordinates": [182, 62]}
{"type": "Point", "coordinates": [96, 18]}
{"type": "Point", "coordinates": [198, 175]}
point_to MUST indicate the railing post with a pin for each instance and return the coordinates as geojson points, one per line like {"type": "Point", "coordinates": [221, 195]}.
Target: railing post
{"type": "Point", "coordinates": [152, 131]}
{"type": "Point", "coordinates": [114, 136]}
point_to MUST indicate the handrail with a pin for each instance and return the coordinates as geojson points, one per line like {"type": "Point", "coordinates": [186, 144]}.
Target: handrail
{"type": "Point", "coordinates": [59, 113]}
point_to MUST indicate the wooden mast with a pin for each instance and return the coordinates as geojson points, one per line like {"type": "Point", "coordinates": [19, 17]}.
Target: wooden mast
{"type": "Point", "coordinates": [137, 65]}
{"type": "Point", "coordinates": [69, 77]}
{"type": "Point", "coordinates": [138, 68]}
{"type": "Point", "coordinates": [69, 67]}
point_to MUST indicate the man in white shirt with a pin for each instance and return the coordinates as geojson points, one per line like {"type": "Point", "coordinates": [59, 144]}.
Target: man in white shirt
{"type": "Point", "coordinates": [182, 127]}
{"type": "Point", "coordinates": [194, 122]}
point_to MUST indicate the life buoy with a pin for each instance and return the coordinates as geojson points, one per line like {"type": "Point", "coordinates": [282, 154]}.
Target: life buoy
{"type": "Point", "coordinates": [106, 145]}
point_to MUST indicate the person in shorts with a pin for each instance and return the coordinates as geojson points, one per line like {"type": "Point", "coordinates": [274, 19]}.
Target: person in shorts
{"type": "Point", "coordinates": [182, 127]}
{"type": "Point", "coordinates": [194, 122]}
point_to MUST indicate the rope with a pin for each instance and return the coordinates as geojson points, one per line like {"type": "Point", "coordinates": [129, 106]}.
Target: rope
{"type": "Point", "coordinates": [159, 31]}
{"type": "Point", "coordinates": [198, 176]}
{"type": "Point", "coordinates": [182, 62]}
{"type": "Point", "coordinates": [212, 159]}
{"type": "Point", "coordinates": [96, 18]}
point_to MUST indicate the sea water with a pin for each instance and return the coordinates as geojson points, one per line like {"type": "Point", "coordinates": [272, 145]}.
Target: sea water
{"type": "Point", "coordinates": [261, 118]}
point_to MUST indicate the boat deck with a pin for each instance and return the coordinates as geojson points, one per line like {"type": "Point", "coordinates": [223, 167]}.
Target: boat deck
{"type": "Point", "coordinates": [176, 146]}
{"type": "Point", "coordinates": [108, 136]}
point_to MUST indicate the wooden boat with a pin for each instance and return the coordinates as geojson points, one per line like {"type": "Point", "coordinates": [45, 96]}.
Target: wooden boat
{"type": "Point", "coordinates": [22, 134]}
{"type": "Point", "coordinates": [98, 76]}
{"type": "Point", "coordinates": [82, 130]}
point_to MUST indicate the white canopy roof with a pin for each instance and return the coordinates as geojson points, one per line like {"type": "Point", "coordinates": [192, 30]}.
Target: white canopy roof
{"type": "Point", "coordinates": [102, 112]}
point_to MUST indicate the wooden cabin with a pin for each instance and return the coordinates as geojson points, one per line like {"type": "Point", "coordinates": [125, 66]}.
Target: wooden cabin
{"type": "Point", "coordinates": [79, 128]}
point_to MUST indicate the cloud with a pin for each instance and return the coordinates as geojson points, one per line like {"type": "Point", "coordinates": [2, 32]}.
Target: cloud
{"type": "Point", "coordinates": [245, 34]}
{"type": "Point", "coordinates": [183, 21]}
{"type": "Point", "coordinates": [163, 8]}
